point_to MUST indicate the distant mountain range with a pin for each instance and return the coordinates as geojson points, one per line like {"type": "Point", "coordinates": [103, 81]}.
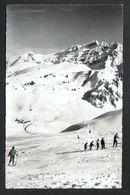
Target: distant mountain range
{"type": "Point", "coordinates": [92, 54]}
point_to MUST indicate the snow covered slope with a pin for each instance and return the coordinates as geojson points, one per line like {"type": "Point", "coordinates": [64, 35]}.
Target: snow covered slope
{"type": "Point", "coordinates": [48, 93]}
{"type": "Point", "coordinates": [104, 125]}
{"type": "Point", "coordinates": [59, 160]}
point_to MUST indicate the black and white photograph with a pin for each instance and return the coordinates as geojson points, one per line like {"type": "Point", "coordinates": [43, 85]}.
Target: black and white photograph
{"type": "Point", "coordinates": [64, 89]}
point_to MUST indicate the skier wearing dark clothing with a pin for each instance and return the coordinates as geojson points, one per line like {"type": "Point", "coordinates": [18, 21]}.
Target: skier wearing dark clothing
{"type": "Point", "coordinates": [91, 145]}
{"type": "Point", "coordinates": [12, 154]}
{"type": "Point", "coordinates": [102, 143]}
{"type": "Point", "coordinates": [115, 140]}
{"type": "Point", "coordinates": [97, 143]}
{"type": "Point", "coordinates": [85, 146]}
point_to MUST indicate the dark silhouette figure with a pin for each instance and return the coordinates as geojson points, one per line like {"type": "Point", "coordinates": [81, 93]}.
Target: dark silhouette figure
{"type": "Point", "coordinates": [12, 154]}
{"type": "Point", "coordinates": [85, 146]}
{"type": "Point", "coordinates": [78, 137]}
{"type": "Point", "coordinates": [102, 143]}
{"type": "Point", "coordinates": [97, 143]}
{"type": "Point", "coordinates": [115, 140]}
{"type": "Point", "coordinates": [91, 145]}
{"type": "Point", "coordinates": [89, 131]}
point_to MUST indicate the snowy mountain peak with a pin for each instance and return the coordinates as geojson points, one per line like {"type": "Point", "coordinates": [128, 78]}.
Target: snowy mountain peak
{"type": "Point", "coordinates": [31, 57]}
{"type": "Point", "coordinates": [90, 74]}
{"type": "Point", "coordinates": [93, 54]}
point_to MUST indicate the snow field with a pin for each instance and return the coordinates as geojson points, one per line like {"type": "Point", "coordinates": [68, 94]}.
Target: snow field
{"type": "Point", "coordinates": [59, 161]}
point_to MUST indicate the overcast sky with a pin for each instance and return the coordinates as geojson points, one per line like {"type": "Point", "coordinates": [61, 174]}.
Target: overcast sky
{"type": "Point", "coordinates": [50, 28]}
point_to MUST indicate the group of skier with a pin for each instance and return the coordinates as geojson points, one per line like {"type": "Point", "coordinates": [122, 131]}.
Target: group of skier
{"type": "Point", "coordinates": [13, 153]}
{"type": "Point", "coordinates": [102, 141]}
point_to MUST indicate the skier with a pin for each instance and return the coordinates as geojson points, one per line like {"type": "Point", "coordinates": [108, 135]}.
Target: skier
{"type": "Point", "coordinates": [97, 143]}
{"type": "Point", "coordinates": [85, 146]}
{"type": "Point", "coordinates": [78, 137]}
{"type": "Point", "coordinates": [12, 154]}
{"type": "Point", "coordinates": [115, 140]}
{"type": "Point", "coordinates": [91, 145]}
{"type": "Point", "coordinates": [102, 143]}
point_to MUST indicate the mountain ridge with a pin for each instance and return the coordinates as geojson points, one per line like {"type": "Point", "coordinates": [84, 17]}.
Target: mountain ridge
{"type": "Point", "coordinates": [85, 54]}
{"type": "Point", "coordinates": [80, 80]}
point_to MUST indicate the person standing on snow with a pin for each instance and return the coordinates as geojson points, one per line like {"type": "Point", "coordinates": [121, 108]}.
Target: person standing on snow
{"type": "Point", "coordinates": [91, 145]}
{"type": "Point", "coordinates": [97, 143]}
{"type": "Point", "coordinates": [12, 154]}
{"type": "Point", "coordinates": [102, 143]}
{"type": "Point", "coordinates": [85, 146]}
{"type": "Point", "coordinates": [115, 140]}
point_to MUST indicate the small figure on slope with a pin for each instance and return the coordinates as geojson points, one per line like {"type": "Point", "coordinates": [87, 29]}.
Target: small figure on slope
{"type": "Point", "coordinates": [85, 146]}
{"type": "Point", "coordinates": [12, 154]}
{"type": "Point", "coordinates": [102, 143]}
{"type": "Point", "coordinates": [115, 140]}
{"type": "Point", "coordinates": [91, 145]}
{"type": "Point", "coordinates": [97, 144]}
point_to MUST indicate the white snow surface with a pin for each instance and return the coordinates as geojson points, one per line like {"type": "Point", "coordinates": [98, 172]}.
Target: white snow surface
{"type": "Point", "coordinates": [59, 161]}
{"type": "Point", "coordinates": [45, 96]}
{"type": "Point", "coordinates": [52, 102]}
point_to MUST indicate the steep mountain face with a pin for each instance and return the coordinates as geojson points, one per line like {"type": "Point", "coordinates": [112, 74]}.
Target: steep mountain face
{"type": "Point", "coordinates": [107, 86]}
{"type": "Point", "coordinates": [93, 54]}
{"type": "Point", "coordinates": [72, 85]}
